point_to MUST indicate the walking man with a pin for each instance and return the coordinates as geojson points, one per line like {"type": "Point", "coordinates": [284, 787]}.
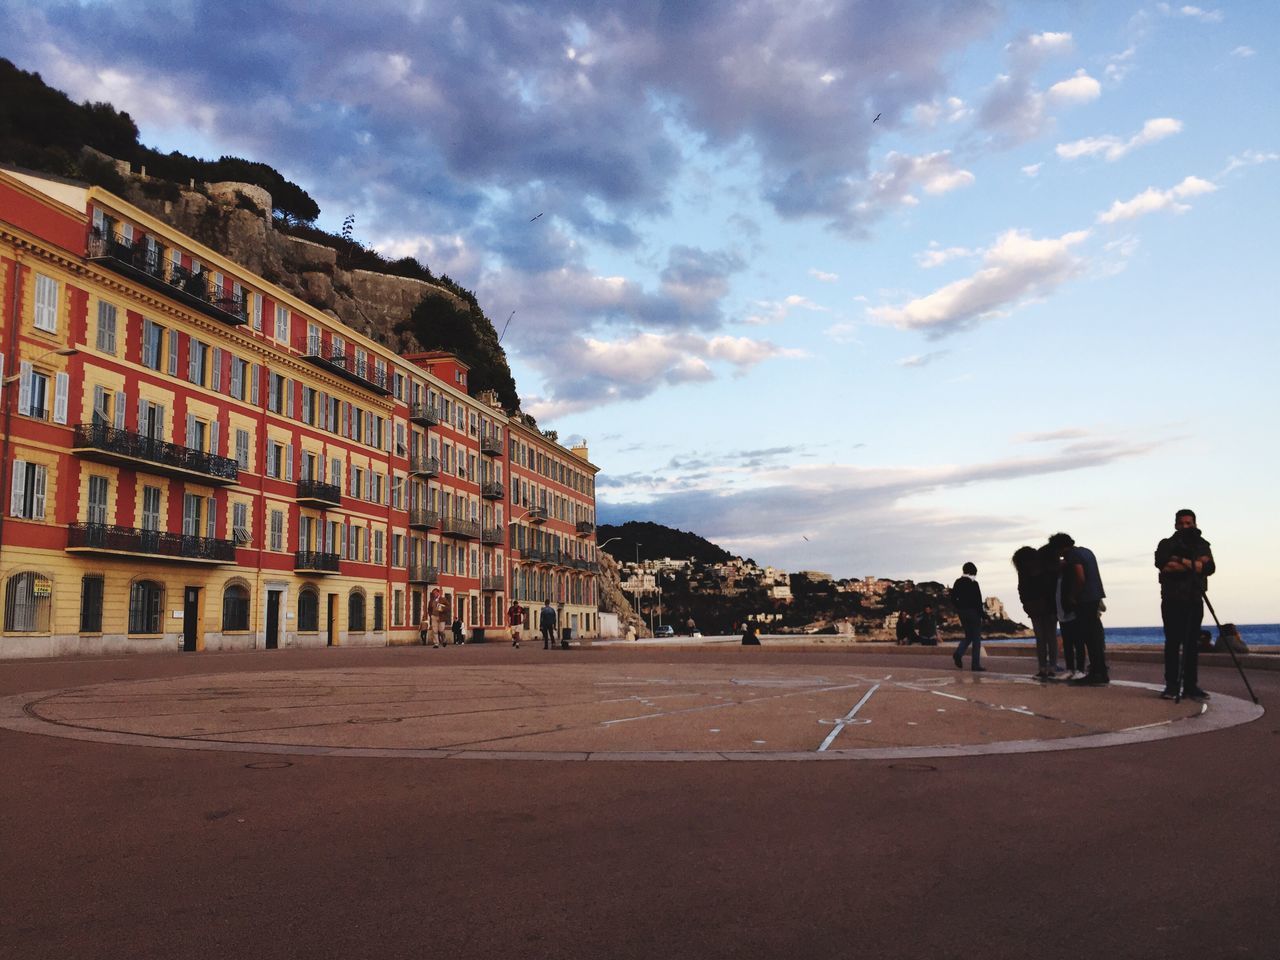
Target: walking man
{"type": "Point", "coordinates": [547, 623]}
{"type": "Point", "coordinates": [967, 597]}
{"type": "Point", "coordinates": [515, 619]}
{"type": "Point", "coordinates": [1081, 595]}
{"type": "Point", "coordinates": [1185, 563]}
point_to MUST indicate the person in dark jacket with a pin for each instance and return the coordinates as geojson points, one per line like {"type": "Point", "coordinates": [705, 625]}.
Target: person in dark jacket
{"type": "Point", "coordinates": [457, 631]}
{"type": "Point", "coordinates": [1037, 582]}
{"type": "Point", "coordinates": [750, 634]}
{"type": "Point", "coordinates": [547, 624]}
{"type": "Point", "coordinates": [1080, 603]}
{"type": "Point", "coordinates": [1185, 563]}
{"type": "Point", "coordinates": [905, 628]}
{"type": "Point", "coordinates": [927, 627]}
{"type": "Point", "coordinates": [967, 597]}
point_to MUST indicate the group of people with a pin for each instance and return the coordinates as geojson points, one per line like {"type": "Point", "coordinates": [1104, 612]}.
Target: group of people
{"type": "Point", "coordinates": [432, 628]}
{"type": "Point", "coordinates": [1059, 584]}
{"type": "Point", "coordinates": [548, 619]}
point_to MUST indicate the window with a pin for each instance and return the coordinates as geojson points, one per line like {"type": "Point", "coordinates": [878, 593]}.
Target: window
{"type": "Point", "coordinates": [355, 612]}
{"type": "Point", "coordinates": [146, 597]}
{"type": "Point", "coordinates": [235, 608]}
{"type": "Point", "coordinates": [97, 500]}
{"type": "Point", "coordinates": [195, 433]}
{"type": "Point", "coordinates": [192, 505]}
{"type": "Point", "coordinates": [240, 522]}
{"type": "Point", "coordinates": [397, 608]}
{"type": "Point", "coordinates": [91, 603]}
{"type": "Point", "coordinates": [242, 448]}
{"type": "Point", "coordinates": [46, 317]}
{"type": "Point", "coordinates": [239, 371]}
{"type": "Point", "coordinates": [377, 546]}
{"type": "Point", "coordinates": [377, 612]}
{"type": "Point", "coordinates": [27, 601]}
{"type": "Point", "coordinates": [28, 491]}
{"type": "Point", "coordinates": [152, 344]}
{"type": "Point", "coordinates": [275, 393]}
{"type": "Point", "coordinates": [106, 327]}
{"type": "Point", "coordinates": [308, 611]}
{"type": "Point", "coordinates": [256, 310]}
{"type": "Point", "coordinates": [150, 508]}
{"type": "Point", "coordinates": [277, 530]}
{"type": "Point", "coordinates": [173, 353]}
{"type": "Point", "coordinates": [282, 323]}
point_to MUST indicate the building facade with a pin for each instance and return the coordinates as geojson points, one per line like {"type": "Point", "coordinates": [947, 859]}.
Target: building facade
{"type": "Point", "coordinates": [195, 459]}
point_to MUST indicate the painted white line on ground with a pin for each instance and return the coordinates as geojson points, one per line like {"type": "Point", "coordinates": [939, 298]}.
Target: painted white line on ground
{"type": "Point", "coordinates": [949, 696]}
{"type": "Point", "coordinates": [843, 721]}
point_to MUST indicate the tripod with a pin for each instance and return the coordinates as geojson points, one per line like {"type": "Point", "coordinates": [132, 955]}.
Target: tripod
{"type": "Point", "coordinates": [1234, 659]}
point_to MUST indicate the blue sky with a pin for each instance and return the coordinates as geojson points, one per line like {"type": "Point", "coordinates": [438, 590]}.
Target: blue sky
{"type": "Point", "coordinates": [1037, 294]}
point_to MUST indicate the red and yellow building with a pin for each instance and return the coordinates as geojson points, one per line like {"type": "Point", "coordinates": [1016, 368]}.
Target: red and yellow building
{"type": "Point", "coordinates": [195, 459]}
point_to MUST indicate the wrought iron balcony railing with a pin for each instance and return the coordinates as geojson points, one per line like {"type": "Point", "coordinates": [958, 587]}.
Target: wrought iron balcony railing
{"type": "Point", "coordinates": [537, 515]}
{"type": "Point", "coordinates": [424, 465]}
{"type": "Point", "coordinates": [313, 492]}
{"type": "Point", "coordinates": [98, 441]}
{"type": "Point", "coordinates": [460, 527]}
{"type": "Point", "coordinates": [358, 370]}
{"type": "Point", "coordinates": [424, 414]}
{"type": "Point", "coordinates": [107, 538]}
{"type": "Point", "coordinates": [309, 561]}
{"type": "Point", "coordinates": [491, 489]}
{"type": "Point", "coordinates": [420, 518]}
{"type": "Point", "coordinates": [585, 528]}
{"type": "Point", "coordinates": [420, 572]}
{"type": "Point", "coordinates": [492, 535]}
{"type": "Point", "coordinates": [492, 583]}
{"type": "Point", "coordinates": [491, 444]}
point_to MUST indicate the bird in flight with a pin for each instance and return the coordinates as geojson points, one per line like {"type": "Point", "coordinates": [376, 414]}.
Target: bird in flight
{"type": "Point", "coordinates": [806, 538]}
{"type": "Point", "coordinates": [877, 118]}
{"type": "Point", "coordinates": [531, 219]}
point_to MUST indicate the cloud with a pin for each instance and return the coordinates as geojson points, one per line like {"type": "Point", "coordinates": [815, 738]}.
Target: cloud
{"type": "Point", "coordinates": [1017, 268]}
{"type": "Point", "coordinates": [937, 255]}
{"type": "Point", "coordinates": [823, 277]}
{"type": "Point", "coordinates": [1249, 158]}
{"type": "Point", "coordinates": [922, 359]}
{"type": "Point", "coordinates": [1195, 13]}
{"type": "Point", "coordinates": [950, 110]}
{"type": "Point", "coordinates": [1120, 65]}
{"type": "Point", "coordinates": [1243, 52]}
{"type": "Point", "coordinates": [776, 311]}
{"type": "Point", "coordinates": [1032, 169]}
{"type": "Point", "coordinates": [1051, 436]}
{"type": "Point", "coordinates": [1152, 200]}
{"type": "Point", "coordinates": [1112, 148]}
{"type": "Point", "coordinates": [1080, 88]}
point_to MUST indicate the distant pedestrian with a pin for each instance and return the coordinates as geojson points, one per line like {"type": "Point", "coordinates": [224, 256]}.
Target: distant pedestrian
{"type": "Point", "coordinates": [750, 634]}
{"type": "Point", "coordinates": [1185, 563]}
{"type": "Point", "coordinates": [927, 627]}
{"type": "Point", "coordinates": [437, 608]}
{"type": "Point", "coordinates": [631, 631]}
{"type": "Point", "coordinates": [547, 623]}
{"type": "Point", "coordinates": [690, 627]}
{"type": "Point", "coordinates": [905, 629]}
{"type": "Point", "coordinates": [1037, 588]}
{"type": "Point", "coordinates": [457, 632]}
{"type": "Point", "coordinates": [967, 597]}
{"type": "Point", "coordinates": [515, 619]}
{"type": "Point", "coordinates": [1080, 603]}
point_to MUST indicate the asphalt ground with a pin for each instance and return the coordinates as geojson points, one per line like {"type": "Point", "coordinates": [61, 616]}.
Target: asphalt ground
{"type": "Point", "coordinates": [1164, 848]}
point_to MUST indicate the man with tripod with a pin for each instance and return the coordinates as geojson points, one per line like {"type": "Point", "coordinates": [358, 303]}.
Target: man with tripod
{"type": "Point", "coordinates": [1185, 563]}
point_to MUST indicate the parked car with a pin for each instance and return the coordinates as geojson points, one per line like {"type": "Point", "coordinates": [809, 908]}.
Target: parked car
{"type": "Point", "coordinates": [664, 630]}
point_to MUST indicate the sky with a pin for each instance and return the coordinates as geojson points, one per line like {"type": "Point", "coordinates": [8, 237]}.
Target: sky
{"type": "Point", "coordinates": [862, 287]}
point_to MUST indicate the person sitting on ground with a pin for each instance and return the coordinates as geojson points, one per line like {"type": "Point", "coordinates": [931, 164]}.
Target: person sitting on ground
{"type": "Point", "coordinates": [927, 627]}
{"type": "Point", "coordinates": [750, 634]}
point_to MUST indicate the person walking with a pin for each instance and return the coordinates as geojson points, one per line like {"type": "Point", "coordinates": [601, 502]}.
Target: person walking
{"type": "Point", "coordinates": [436, 610]}
{"type": "Point", "coordinates": [967, 597]}
{"type": "Point", "coordinates": [1185, 563]}
{"type": "Point", "coordinates": [515, 619]}
{"type": "Point", "coordinates": [547, 623]}
{"type": "Point", "coordinates": [457, 632]}
{"type": "Point", "coordinates": [1037, 588]}
{"type": "Point", "coordinates": [1081, 597]}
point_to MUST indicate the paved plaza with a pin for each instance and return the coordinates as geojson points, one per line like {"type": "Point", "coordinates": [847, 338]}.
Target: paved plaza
{"type": "Point", "coordinates": [484, 801]}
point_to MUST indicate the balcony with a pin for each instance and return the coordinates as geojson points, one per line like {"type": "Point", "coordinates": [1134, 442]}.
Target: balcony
{"type": "Point", "coordinates": [151, 268]}
{"type": "Point", "coordinates": [423, 465]}
{"type": "Point", "coordinates": [347, 366]}
{"type": "Point", "coordinates": [492, 535]}
{"type": "Point", "coordinates": [158, 544]}
{"type": "Point", "coordinates": [424, 414]}
{"type": "Point", "coordinates": [308, 561]}
{"type": "Point", "coordinates": [419, 572]}
{"type": "Point", "coordinates": [420, 518]}
{"type": "Point", "coordinates": [585, 528]}
{"type": "Point", "coordinates": [537, 515]}
{"type": "Point", "coordinates": [491, 444]}
{"type": "Point", "coordinates": [316, 493]}
{"type": "Point", "coordinates": [106, 444]}
{"type": "Point", "coordinates": [491, 489]}
{"type": "Point", "coordinates": [460, 527]}
{"type": "Point", "coordinates": [492, 584]}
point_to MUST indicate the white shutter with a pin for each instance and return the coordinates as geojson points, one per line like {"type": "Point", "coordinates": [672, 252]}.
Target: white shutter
{"type": "Point", "coordinates": [99, 404]}
{"type": "Point", "coordinates": [159, 422]}
{"type": "Point", "coordinates": [142, 416]}
{"type": "Point", "coordinates": [215, 379]}
{"type": "Point", "coordinates": [324, 411]}
{"type": "Point", "coordinates": [368, 484]}
{"type": "Point", "coordinates": [271, 458]}
{"type": "Point", "coordinates": [173, 353]}
{"type": "Point", "coordinates": [193, 367]}
{"type": "Point", "coordinates": [288, 463]}
{"type": "Point", "coordinates": [288, 398]}
{"type": "Point", "coordinates": [211, 522]}
{"type": "Point", "coordinates": [254, 388]}
{"type": "Point", "coordinates": [1, 367]}
{"type": "Point", "coordinates": [213, 436]}
{"type": "Point", "coordinates": [37, 511]}
{"type": "Point", "coordinates": [62, 384]}
{"type": "Point", "coordinates": [19, 493]}
{"type": "Point", "coordinates": [366, 545]}
{"type": "Point", "coordinates": [322, 463]}
{"type": "Point", "coordinates": [120, 402]}
{"type": "Point", "coordinates": [24, 388]}
{"type": "Point", "coordinates": [147, 359]}
{"type": "Point", "coordinates": [191, 429]}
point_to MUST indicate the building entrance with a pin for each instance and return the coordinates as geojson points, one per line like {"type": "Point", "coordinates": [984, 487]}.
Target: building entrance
{"type": "Point", "coordinates": [273, 620]}
{"type": "Point", "coordinates": [190, 618]}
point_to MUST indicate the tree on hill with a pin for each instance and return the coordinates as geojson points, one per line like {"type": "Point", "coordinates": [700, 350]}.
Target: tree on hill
{"type": "Point", "coordinates": [655, 541]}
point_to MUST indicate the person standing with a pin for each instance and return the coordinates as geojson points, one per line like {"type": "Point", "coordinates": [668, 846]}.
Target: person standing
{"type": "Point", "coordinates": [458, 637]}
{"type": "Point", "coordinates": [547, 623]}
{"type": "Point", "coordinates": [967, 597]}
{"type": "Point", "coordinates": [905, 629]}
{"type": "Point", "coordinates": [1185, 563]}
{"type": "Point", "coordinates": [1081, 597]}
{"type": "Point", "coordinates": [1037, 586]}
{"type": "Point", "coordinates": [435, 617]}
{"type": "Point", "coordinates": [515, 619]}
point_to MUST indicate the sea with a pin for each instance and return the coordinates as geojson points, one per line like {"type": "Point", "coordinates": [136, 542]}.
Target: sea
{"type": "Point", "coordinates": [1254, 634]}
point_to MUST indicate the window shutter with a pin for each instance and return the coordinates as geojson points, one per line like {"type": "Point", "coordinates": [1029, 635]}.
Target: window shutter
{"type": "Point", "coordinates": [271, 458]}
{"type": "Point", "coordinates": [215, 381]}
{"type": "Point", "coordinates": [288, 398]}
{"type": "Point", "coordinates": [211, 522]}
{"type": "Point", "coordinates": [255, 389]}
{"type": "Point", "coordinates": [19, 494]}
{"type": "Point", "coordinates": [120, 402]}
{"type": "Point", "coordinates": [288, 462]}
{"type": "Point", "coordinates": [37, 510]}
{"type": "Point", "coordinates": [99, 404]}
{"type": "Point", "coordinates": [62, 384]}
{"type": "Point", "coordinates": [1, 367]}
{"type": "Point", "coordinates": [368, 485]}
{"type": "Point", "coordinates": [193, 368]}
{"type": "Point", "coordinates": [142, 416]}
{"type": "Point", "coordinates": [322, 463]}
{"type": "Point", "coordinates": [173, 353]}
{"type": "Point", "coordinates": [324, 411]}
{"type": "Point", "coordinates": [213, 436]}
{"type": "Point", "coordinates": [366, 545]}
{"type": "Point", "coordinates": [24, 388]}
{"type": "Point", "coordinates": [191, 429]}
{"type": "Point", "coordinates": [159, 422]}
{"type": "Point", "coordinates": [148, 359]}
{"type": "Point", "coordinates": [237, 379]}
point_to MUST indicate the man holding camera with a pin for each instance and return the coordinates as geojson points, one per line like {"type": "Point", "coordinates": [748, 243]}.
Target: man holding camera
{"type": "Point", "coordinates": [1185, 563]}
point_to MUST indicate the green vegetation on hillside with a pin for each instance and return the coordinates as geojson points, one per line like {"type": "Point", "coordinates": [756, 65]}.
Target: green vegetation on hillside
{"type": "Point", "coordinates": [656, 541]}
